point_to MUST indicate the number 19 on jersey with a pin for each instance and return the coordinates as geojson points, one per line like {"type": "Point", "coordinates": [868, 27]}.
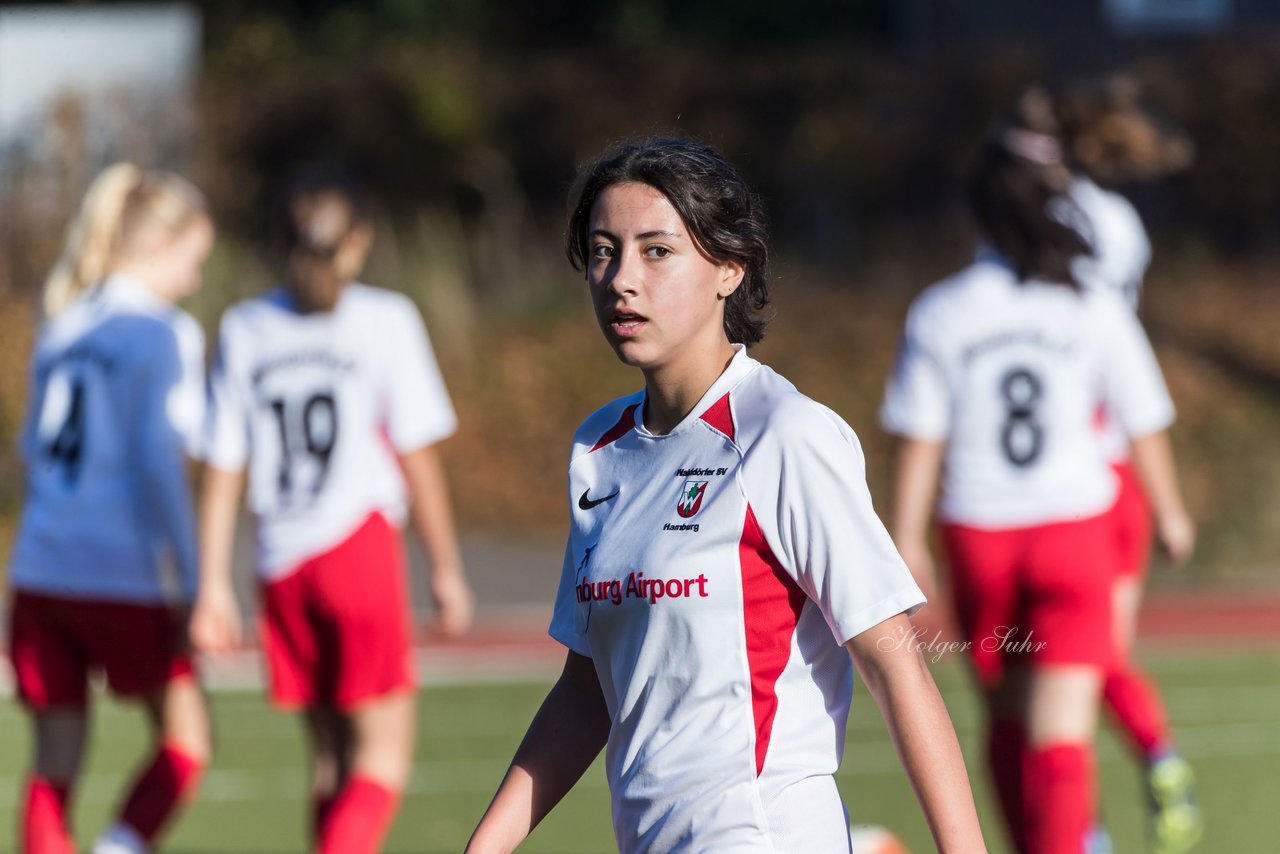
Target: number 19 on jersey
{"type": "Point", "coordinates": [308, 431]}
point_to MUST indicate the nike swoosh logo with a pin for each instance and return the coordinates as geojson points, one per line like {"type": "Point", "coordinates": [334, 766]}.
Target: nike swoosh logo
{"type": "Point", "coordinates": [586, 503]}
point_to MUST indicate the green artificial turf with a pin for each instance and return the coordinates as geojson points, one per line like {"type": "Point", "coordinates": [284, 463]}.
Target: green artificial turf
{"type": "Point", "coordinates": [1225, 706]}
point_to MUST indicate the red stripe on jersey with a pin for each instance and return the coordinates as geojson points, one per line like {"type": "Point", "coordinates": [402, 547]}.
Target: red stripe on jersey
{"type": "Point", "coordinates": [719, 416]}
{"type": "Point", "coordinates": [771, 603]}
{"type": "Point", "coordinates": [1100, 417]}
{"type": "Point", "coordinates": [617, 431]}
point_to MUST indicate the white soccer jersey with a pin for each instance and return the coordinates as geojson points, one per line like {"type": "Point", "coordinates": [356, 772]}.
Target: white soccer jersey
{"type": "Point", "coordinates": [116, 406]}
{"type": "Point", "coordinates": [1122, 253]}
{"type": "Point", "coordinates": [1010, 376]}
{"type": "Point", "coordinates": [318, 406]}
{"type": "Point", "coordinates": [1121, 248]}
{"type": "Point", "coordinates": [712, 575]}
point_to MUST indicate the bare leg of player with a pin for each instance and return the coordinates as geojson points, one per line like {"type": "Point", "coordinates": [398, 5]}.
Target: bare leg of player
{"type": "Point", "coordinates": [330, 736]}
{"type": "Point", "coordinates": [1128, 692]}
{"type": "Point", "coordinates": [60, 736]}
{"type": "Point", "coordinates": [381, 755]}
{"type": "Point", "coordinates": [181, 731]}
{"type": "Point", "coordinates": [1176, 822]}
{"type": "Point", "coordinates": [1060, 778]}
{"type": "Point", "coordinates": [385, 732]}
{"type": "Point", "coordinates": [1007, 746]}
{"type": "Point", "coordinates": [1125, 602]}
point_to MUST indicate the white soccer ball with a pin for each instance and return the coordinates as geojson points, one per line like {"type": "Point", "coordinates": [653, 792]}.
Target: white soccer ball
{"type": "Point", "coordinates": [873, 839]}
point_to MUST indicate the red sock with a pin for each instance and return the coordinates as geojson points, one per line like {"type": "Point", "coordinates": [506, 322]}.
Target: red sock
{"type": "Point", "coordinates": [1006, 744]}
{"type": "Point", "coordinates": [1135, 704]}
{"type": "Point", "coordinates": [156, 795]}
{"type": "Point", "coordinates": [44, 824]}
{"type": "Point", "coordinates": [358, 819]}
{"type": "Point", "coordinates": [1060, 794]}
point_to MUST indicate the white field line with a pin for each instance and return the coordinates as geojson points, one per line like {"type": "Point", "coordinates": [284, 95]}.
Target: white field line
{"type": "Point", "coordinates": [1198, 709]}
{"type": "Point", "coordinates": [515, 663]}
{"type": "Point", "coordinates": [871, 759]}
{"type": "Point", "coordinates": [243, 671]}
{"type": "Point", "coordinates": [1190, 705]}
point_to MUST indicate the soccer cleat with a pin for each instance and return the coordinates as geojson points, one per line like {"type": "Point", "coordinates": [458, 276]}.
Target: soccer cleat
{"type": "Point", "coordinates": [120, 839]}
{"type": "Point", "coordinates": [1176, 823]}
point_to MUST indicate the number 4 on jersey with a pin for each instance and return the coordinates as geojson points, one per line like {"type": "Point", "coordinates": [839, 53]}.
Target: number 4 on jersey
{"type": "Point", "coordinates": [67, 447]}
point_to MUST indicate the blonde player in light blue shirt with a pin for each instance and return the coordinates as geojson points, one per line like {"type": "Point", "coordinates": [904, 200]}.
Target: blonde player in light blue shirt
{"type": "Point", "coordinates": [104, 567]}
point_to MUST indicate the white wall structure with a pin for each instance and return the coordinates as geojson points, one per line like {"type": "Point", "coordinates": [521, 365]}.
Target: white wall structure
{"type": "Point", "coordinates": [81, 87]}
{"type": "Point", "coordinates": [142, 53]}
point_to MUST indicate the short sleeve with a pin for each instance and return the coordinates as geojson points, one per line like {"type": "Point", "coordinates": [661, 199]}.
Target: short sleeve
{"type": "Point", "coordinates": [1134, 388]}
{"type": "Point", "coordinates": [1121, 248]}
{"type": "Point", "coordinates": [226, 440]}
{"type": "Point", "coordinates": [186, 403]}
{"type": "Point", "coordinates": [917, 399]}
{"type": "Point", "coordinates": [806, 484]}
{"type": "Point", "coordinates": [160, 442]}
{"type": "Point", "coordinates": [419, 411]}
{"type": "Point", "coordinates": [565, 626]}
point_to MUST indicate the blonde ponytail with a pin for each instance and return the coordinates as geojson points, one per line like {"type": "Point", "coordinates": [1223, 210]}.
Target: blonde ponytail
{"type": "Point", "coordinates": [92, 237]}
{"type": "Point", "coordinates": [122, 202]}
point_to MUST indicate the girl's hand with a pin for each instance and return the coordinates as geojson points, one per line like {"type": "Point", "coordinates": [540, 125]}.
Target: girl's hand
{"type": "Point", "coordinates": [1177, 535]}
{"type": "Point", "coordinates": [215, 622]}
{"type": "Point", "coordinates": [455, 606]}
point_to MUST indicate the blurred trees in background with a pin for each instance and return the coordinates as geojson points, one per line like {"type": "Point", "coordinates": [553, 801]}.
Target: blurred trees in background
{"type": "Point", "coordinates": [857, 138]}
{"type": "Point", "coordinates": [563, 23]}
{"type": "Point", "coordinates": [850, 139]}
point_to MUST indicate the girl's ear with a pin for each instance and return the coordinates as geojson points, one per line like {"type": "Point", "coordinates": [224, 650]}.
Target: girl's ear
{"type": "Point", "coordinates": [731, 275]}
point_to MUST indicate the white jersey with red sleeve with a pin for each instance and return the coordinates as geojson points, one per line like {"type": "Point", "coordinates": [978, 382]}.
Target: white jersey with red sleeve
{"type": "Point", "coordinates": [1121, 255]}
{"type": "Point", "coordinates": [117, 403]}
{"type": "Point", "coordinates": [1010, 375]}
{"type": "Point", "coordinates": [1121, 248]}
{"type": "Point", "coordinates": [318, 407]}
{"type": "Point", "coordinates": [712, 574]}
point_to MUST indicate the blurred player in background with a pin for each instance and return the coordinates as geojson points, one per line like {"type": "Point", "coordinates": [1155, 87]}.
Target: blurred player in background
{"type": "Point", "coordinates": [724, 561]}
{"type": "Point", "coordinates": [1110, 139]}
{"type": "Point", "coordinates": [116, 408]}
{"type": "Point", "coordinates": [1000, 373]}
{"type": "Point", "coordinates": [327, 392]}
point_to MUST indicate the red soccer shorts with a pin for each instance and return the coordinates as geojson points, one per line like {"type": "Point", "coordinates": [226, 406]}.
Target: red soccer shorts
{"type": "Point", "coordinates": [336, 631]}
{"type": "Point", "coordinates": [54, 645]}
{"type": "Point", "coordinates": [1038, 595]}
{"type": "Point", "coordinates": [1131, 516]}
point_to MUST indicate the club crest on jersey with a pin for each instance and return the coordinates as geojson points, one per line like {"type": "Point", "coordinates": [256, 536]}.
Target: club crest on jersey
{"type": "Point", "coordinates": [690, 500]}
